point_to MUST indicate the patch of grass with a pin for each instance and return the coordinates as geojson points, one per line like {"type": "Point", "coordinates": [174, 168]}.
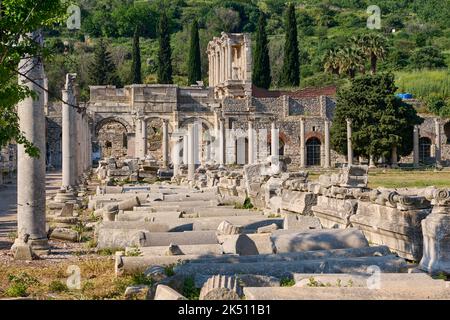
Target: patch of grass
{"type": "Point", "coordinates": [142, 279]}
{"type": "Point", "coordinates": [424, 83]}
{"type": "Point", "coordinates": [190, 291]}
{"type": "Point", "coordinates": [109, 251]}
{"type": "Point", "coordinates": [287, 282]}
{"type": "Point", "coordinates": [135, 252]}
{"type": "Point", "coordinates": [57, 286]}
{"type": "Point", "coordinates": [397, 178]}
{"type": "Point", "coordinates": [12, 236]}
{"type": "Point", "coordinates": [169, 270]}
{"type": "Point", "coordinates": [246, 205]}
{"type": "Point", "coordinates": [19, 284]}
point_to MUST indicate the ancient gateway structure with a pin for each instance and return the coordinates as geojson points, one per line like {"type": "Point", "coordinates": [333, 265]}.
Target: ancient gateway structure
{"type": "Point", "coordinates": [152, 120]}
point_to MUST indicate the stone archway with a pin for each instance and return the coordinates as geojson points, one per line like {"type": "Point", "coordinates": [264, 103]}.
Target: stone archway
{"type": "Point", "coordinates": [313, 145]}
{"type": "Point", "coordinates": [111, 138]}
{"type": "Point", "coordinates": [207, 134]}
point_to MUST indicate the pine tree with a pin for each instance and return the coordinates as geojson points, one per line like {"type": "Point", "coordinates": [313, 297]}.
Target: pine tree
{"type": "Point", "coordinates": [194, 62]}
{"type": "Point", "coordinates": [102, 70]}
{"type": "Point", "coordinates": [261, 66]}
{"type": "Point", "coordinates": [165, 52]}
{"type": "Point", "coordinates": [291, 63]}
{"type": "Point", "coordinates": [136, 74]}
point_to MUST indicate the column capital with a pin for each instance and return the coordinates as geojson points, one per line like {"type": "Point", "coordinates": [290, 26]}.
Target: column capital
{"type": "Point", "coordinates": [349, 121]}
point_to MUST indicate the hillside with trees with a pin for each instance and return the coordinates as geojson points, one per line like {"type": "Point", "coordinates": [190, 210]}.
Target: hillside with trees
{"type": "Point", "coordinates": [333, 43]}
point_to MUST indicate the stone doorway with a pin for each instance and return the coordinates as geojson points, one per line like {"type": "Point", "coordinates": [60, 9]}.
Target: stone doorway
{"type": "Point", "coordinates": [313, 152]}
{"type": "Point", "coordinates": [112, 139]}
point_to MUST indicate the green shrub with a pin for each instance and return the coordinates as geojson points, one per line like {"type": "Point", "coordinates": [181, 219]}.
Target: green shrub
{"type": "Point", "coordinates": [190, 291]}
{"type": "Point", "coordinates": [57, 286]}
{"type": "Point", "coordinates": [19, 284]}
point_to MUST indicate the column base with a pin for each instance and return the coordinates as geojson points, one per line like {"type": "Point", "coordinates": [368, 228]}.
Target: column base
{"type": "Point", "coordinates": [39, 246]}
{"type": "Point", "coordinates": [64, 196]}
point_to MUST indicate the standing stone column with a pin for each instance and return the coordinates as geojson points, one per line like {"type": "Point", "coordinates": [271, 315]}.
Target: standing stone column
{"type": "Point", "coordinates": [416, 146]}
{"type": "Point", "coordinates": [437, 143]}
{"type": "Point", "coordinates": [221, 150]}
{"type": "Point", "coordinates": [302, 143]}
{"type": "Point", "coordinates": [327, 161]}
{"type": "Point", "coordinates": [165, 145]}
{"type": "Point", "coordinates": [31, 171]}
{"type": "Point", "coordinates": [349, 142]}
{"type": "Point", "coordinates": [394, 157]}
{"type": "Point", "coordinates": [185, 149]}
{"type": "Point", "coordinates": [176, 154]}
{"type": "Point", "coordinates": [191, 152]}
{"type": "Point", "coordinates": [69, 144]}
{"type": "Point", "coordinates": [137, 139]}
{"type": "Point", "coordinates": [251, 143]}
{"type": "Point", "coordinates": [144, 138]}
{"type": "Point", "coordinates": [274, 141]}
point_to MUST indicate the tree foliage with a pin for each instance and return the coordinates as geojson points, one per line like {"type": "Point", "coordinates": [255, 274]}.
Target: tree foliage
{"type": "Point", "coordinates": [18, 18]}
{"type": "Point", "coordinates": [165, 52]}
{"type": "Point", "coordinates": [380, 120]}
{"type": "Point", "coordinates": [136, 73]}
{"type": "Point", "coordinates": [291, 64]}
{"type": "Point", "coordinates": [102, 69]}
{"type": "Point", "coordinates": [261, 62]}
{"type": "Point", "coordinates": [194, 60]}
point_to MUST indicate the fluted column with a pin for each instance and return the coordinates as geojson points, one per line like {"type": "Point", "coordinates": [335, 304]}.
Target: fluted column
{"type": "Point", "coordinates": [394, 157]}
{"type": "Point", "coordinates": [143, 138]}
{"type": "Point", "coordinates": [185, 149]}
{"type": "Point", "coordinates": [349, 142]}
{"type": "Point", "coordinates": [327, 162]}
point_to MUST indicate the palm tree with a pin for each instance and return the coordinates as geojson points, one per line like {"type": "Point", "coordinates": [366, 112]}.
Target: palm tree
{"type": "Point", "coordinates": [331, 61]}
{"type": "Point", "coordinates": [374, 47]}
{"type": "Point", "coordinates": [351, 60]}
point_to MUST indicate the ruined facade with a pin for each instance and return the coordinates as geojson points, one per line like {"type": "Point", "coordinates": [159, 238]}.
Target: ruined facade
{"type": "Point", "coordinates": [152, 120]}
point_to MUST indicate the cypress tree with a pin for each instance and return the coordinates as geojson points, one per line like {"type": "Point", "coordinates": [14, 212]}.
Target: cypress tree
{"type": "Point", "coordinates": [194, 62]}
{"type": "Point", "coordinates": [136, 74]}
{"type": "Point", "coordinates": [291, 64]}
{"type": "Point", "coordinates": [165, 52]}
{"type": "Point", "coordinates": [102, 70]}
{"type": "Point", "coordinates": [261, 66]}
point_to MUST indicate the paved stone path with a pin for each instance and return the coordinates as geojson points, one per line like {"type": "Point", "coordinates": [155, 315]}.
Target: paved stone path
{"type": "Point", "coordinates": [8, 206]}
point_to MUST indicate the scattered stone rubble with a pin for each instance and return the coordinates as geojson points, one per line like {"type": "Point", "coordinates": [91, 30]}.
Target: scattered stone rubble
{"type": "Point", "coordinates": [239, 233]}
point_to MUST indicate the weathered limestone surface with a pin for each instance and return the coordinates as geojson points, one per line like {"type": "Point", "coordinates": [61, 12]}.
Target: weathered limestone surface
{"type": "Point", "coordinates": [229, 284]}
{"type": "Point", "coordinates": [301, 223]}
{"type": "Point", "coordinates": [399, 229]}
{"type": "Point", "coordinates": [198, 249]}
{"type": "Point", "coordinates": [319, 240]}
{"type": "Point", "coordinates": [298, 201]}
{"type": "Point", "coordinates": [436, 235]}
{"type": "Point", "coordinates": [286, 268]}
{"type": "Point", "coordinates": [164, 292]}
{"type": "Point", "coordinates": [295, 293]}
{"type": "Point", "coordinates": [247, 244]}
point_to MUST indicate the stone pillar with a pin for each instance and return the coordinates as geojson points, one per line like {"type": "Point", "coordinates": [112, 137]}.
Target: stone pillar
{"type": "Point", "coordinates": [274, 140]}
{"type": "Point", "coordinates": [394, 162]}
{"type": "Point", "coordinates": [138, 139]}
{"type": "Point", "coordinates": [372, 162]}
{"type": "Point", "coordinates": [436, 235]}
{"type": "Point", "coordinates": [165, 144]}
{"type": "Point", "coordinates": [31, 171]}
{"type": "Point", "coordinates": [143, 138]}
{"type": "Point", "coordinates": [349, 142]}
{"type": "Point", "coordinates": [437, 143]}
{"type": "Point", "coordinates": [185, 149]}
{"type": "Point", "coordinates": [416, 146]}
{"type": "Point", "coordinates": [251, 143]}
{"type": "Point", "coordinates": [221, 150]}
{"type": "Point", "coordinates": [230, 61]}
{"type": "Point", "coordinates": [302, 143]}
{"type": "Point", "coordinates": [327, 162]}
{"type": "Point", "coordinates": [191, 152]}
{"type": "Point", "coordinates": [176, 154]}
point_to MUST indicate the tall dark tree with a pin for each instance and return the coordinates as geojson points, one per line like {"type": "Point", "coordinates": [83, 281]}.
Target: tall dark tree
{"type": "Point", "coordinates": [290, 75]}
{"type": "Point", "coordinates": [261, 64]}
{"type": "Point", "coordinates": [194, 62]}
{"type": "Point", "coordinates": [165, 52]}
{"type": "Point", "coordinates": [380, 120]}
{"type": "Point", "coordinates": [136, 73]}
{"type": "Point", "coordinates": [102, 70]}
